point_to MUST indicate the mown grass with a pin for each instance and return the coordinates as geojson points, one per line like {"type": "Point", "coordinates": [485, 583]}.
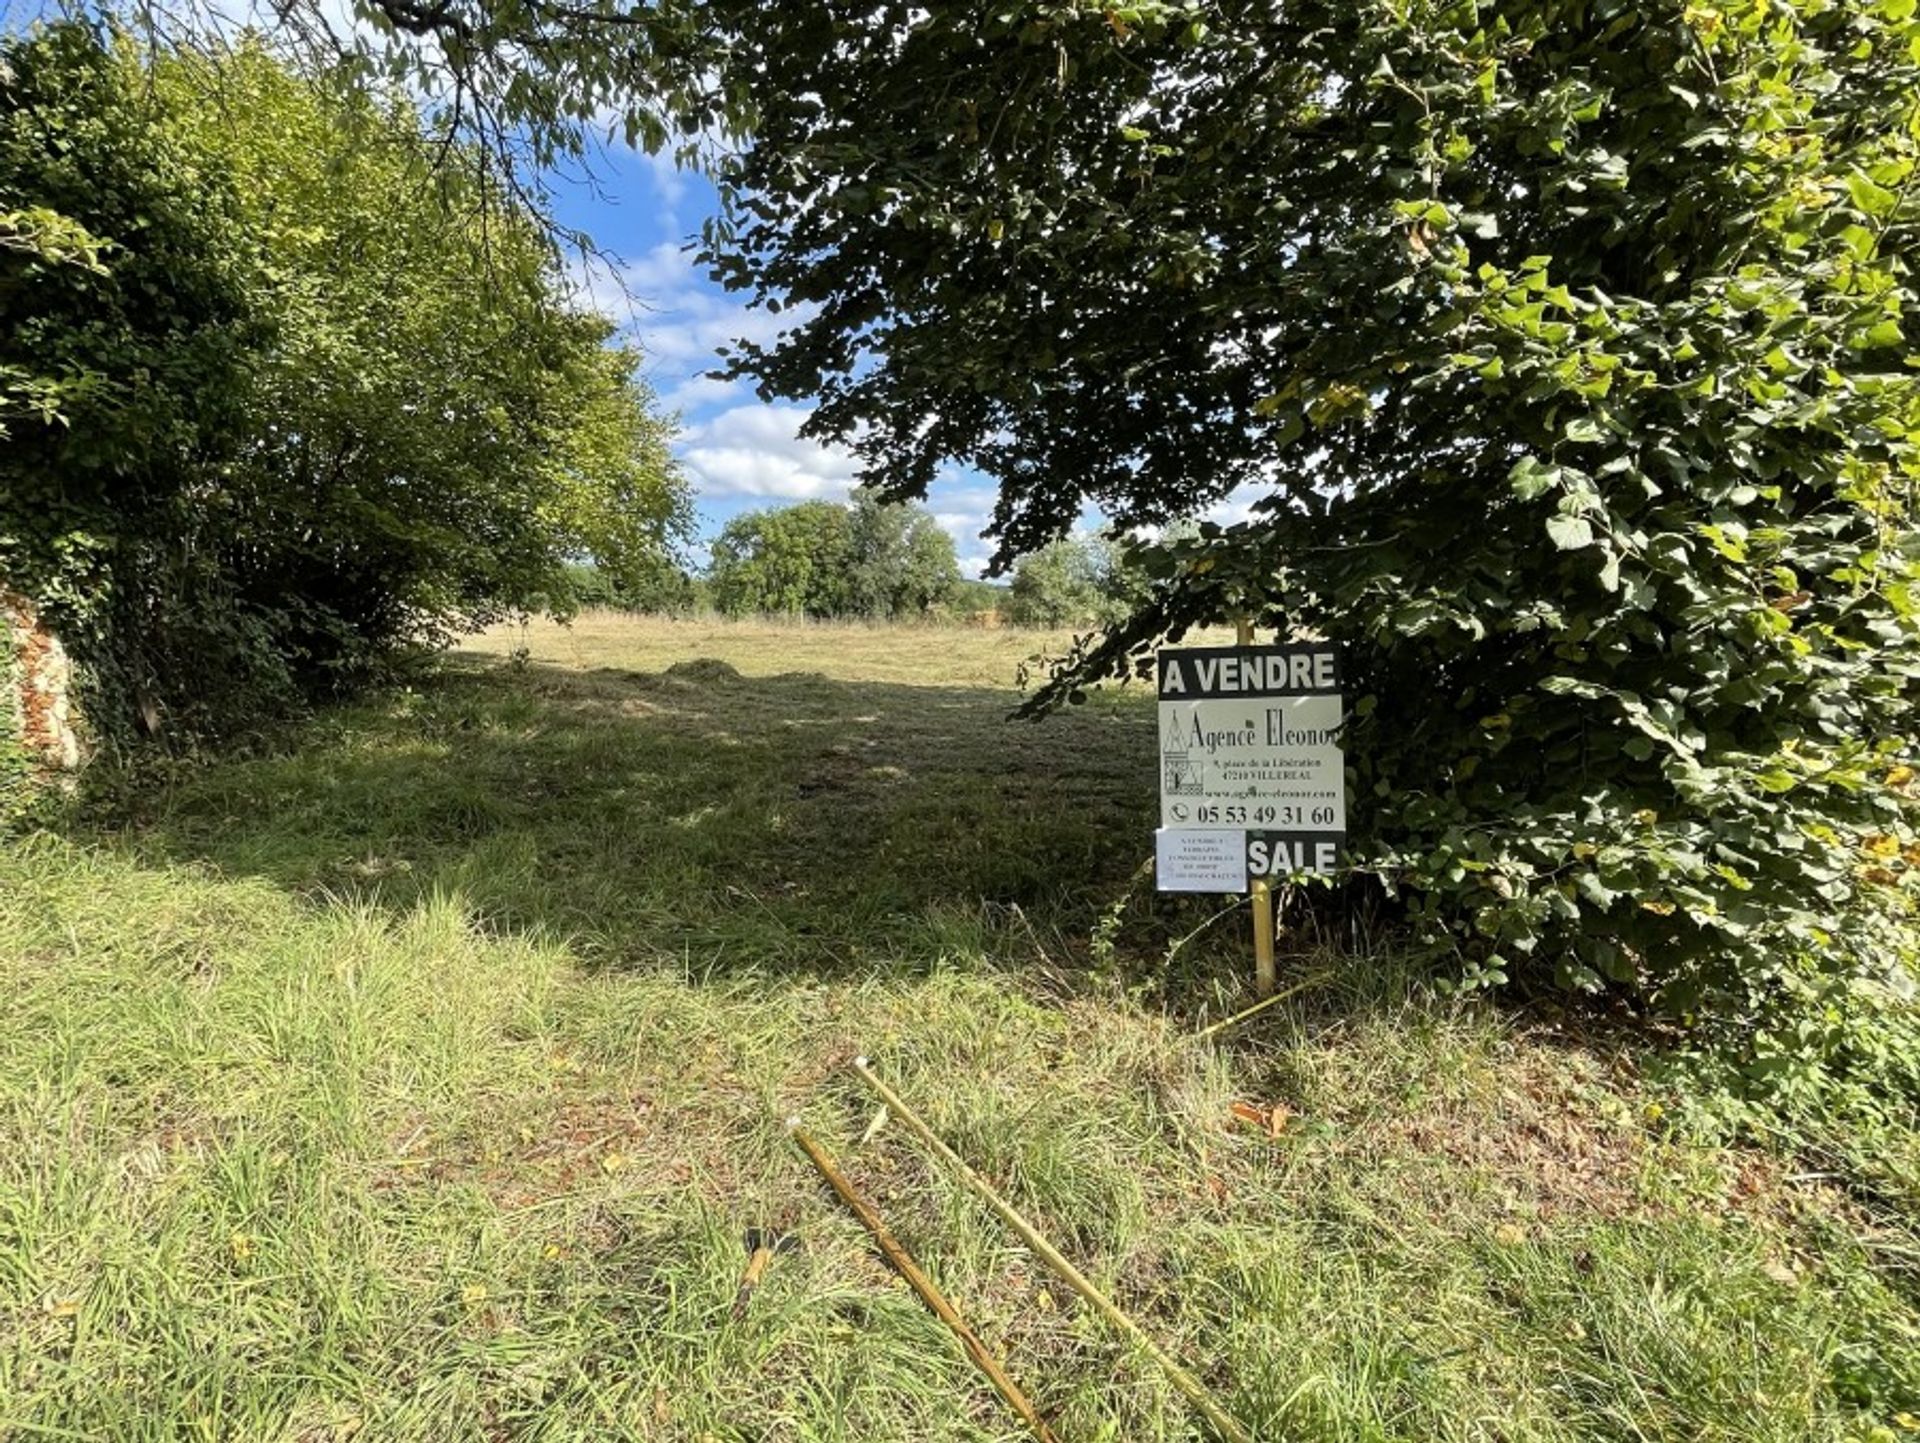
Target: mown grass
{"type": "Point", "coordinates": [416, 1079]}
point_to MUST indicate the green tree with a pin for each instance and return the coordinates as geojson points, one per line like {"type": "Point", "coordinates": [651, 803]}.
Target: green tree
{"type": "Point", "coordinates": [132, 308]}
{"type": "Point", "coordinates": [1578, 339]}
{"type": "Point", "coordinates": [434, 416]}
{"type": "Point", "coordinates": [902, 563]}
{"type": "Point", "coordinates": [33, 242]}
{"type": "Point", "coordinates": [823, 559]}
{"type": "Point", "coordinates": [315, 402]}
{"type": "Point", "coordinates": [1061, 584]}
{"type": "Point", "coordinates": [663, 588]}
{"type": "Point", "coordinates": [788, 560]}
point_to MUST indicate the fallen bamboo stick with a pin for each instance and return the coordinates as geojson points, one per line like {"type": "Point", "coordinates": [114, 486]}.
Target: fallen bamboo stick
{"type": "Point", "coordinates": [923, 1285]}
{"type": "Point", "coordinates": [1195, 1390]}
{"type": "Point", "coordinates": [1261, 1006]}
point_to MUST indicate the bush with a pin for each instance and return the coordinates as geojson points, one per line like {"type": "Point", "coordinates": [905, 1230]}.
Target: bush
{"type": "Point", "coordinates": [1068, 582]}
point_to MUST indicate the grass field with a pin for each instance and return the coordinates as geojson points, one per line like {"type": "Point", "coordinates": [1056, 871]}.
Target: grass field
{"type": "Point", "coordinates": [416, 1077]}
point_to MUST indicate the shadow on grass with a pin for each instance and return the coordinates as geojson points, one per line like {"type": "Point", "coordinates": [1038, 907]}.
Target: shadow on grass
{"type": "Point", "coordinates": [693, 817]}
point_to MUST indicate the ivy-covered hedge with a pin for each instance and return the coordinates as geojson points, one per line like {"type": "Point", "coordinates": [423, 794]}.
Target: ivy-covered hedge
{"type": "Point", "coordinates": [1579, 343]}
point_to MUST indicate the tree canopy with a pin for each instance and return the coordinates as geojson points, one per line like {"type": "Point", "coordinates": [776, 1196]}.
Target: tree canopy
{"type": "Point", "coordinates": [1065, 583]}
{"type": "Point", "coordinates": [822, 559]}
{"type": "Point", "coordinates": [296, 400]}
{"type": "Point", "coordinates": [1574, 342]}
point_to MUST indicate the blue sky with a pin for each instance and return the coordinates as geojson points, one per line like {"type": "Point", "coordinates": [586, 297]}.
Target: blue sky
{"type": "Point", "coordinates": [739, 452]}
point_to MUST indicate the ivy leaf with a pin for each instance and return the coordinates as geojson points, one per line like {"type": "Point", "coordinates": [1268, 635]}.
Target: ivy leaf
{"type": "Point", "coordinates": [1870, 197]}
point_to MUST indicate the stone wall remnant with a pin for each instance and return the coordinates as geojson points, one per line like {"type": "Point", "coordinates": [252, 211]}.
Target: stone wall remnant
{"type": "Point", "coordinates": [38, 711]}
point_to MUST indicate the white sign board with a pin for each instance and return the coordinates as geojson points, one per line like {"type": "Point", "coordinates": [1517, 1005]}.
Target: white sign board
{"type": "Point", "coordinates": [1200, 859]}
{"type": "Point", "coordinates": [1250, 741]}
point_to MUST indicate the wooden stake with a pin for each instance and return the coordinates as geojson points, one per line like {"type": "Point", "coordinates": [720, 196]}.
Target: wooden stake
{"type": "Point", "coordinates": [1261, 888]}
{"type": "Point", "coordinates": [1214, 1029]}
{"type": "Point", "coordinates": [1263, 974]}
{"type": "Point", "coordinates": [1067, 1273]}
{"type": "Point", "coordinates": [923, 1285]}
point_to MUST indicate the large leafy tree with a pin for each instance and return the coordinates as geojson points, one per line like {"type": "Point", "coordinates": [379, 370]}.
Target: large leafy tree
{"type": "Point", "coordinates": [311, 401]}
{"type": "Point", "coordinates": [1064, 583]}
{"type": "Point", "coordinates": [786, 560]}
{"type": "Point", "coordinates": [1574, 339]}
{"type": "Point", "coordinates": [436, 429]}
{"type": "Point", "coordinates": [129, 308]}
{"type": "Point", "coordinates": [823, 559]}
{"type": "Point", "coordinates": [901, 562]}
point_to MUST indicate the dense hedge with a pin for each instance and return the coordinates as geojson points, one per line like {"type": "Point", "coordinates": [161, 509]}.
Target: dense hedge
{"type": "Point", "coordinates": [1600, 374]}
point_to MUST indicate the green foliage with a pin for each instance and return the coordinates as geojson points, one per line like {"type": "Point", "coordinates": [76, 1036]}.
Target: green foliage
{"type": "Point", "coordinates": [1096, 577]}
{"type": "Point", "coordinates": [975, 598]}
{"type": "Point", "coordinates": [1576, 338]}
{"type": "Point", "coordinates": [901, 563]}
{"type": "Point", "coordinates": [663, 588]}
{"type": "Point", "coordinates": [822, 559]}
{"type": "Point", "coordinates": [16, 767]}
{"type": "Point", "coordinates": [302, 402]}
{"type": "Point", "coordinates": [1061, 584]}
{"type": "Point", "coordinates": [38, 240]}
{"type": "Point", "coordinates": [789, 560]}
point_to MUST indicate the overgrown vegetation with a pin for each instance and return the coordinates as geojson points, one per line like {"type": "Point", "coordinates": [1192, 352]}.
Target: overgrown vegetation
{"type": "Point", "coordinates": [418, 1077]}
{"type": "Point", "coordinates": [1569, 338]}
{"type": "Point", "coordinates": [284, 398]}
{"type": "Point", "coordinates": [16, 766]}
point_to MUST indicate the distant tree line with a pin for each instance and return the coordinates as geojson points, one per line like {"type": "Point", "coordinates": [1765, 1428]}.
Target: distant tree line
{"type": "Point", "coordinates": [870, 560]}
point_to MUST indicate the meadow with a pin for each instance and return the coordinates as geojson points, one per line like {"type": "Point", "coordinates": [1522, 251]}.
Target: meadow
{"type": "Point", "coordinates": [416, 1073]}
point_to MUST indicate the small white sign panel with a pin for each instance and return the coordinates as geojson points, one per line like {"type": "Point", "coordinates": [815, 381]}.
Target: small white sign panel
{"type": "Point", "coordinates": [1200, 859]}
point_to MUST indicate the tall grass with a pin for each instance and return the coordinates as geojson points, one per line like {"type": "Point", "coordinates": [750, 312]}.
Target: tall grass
{"type": "Point", "coordinates": [416, 1079]}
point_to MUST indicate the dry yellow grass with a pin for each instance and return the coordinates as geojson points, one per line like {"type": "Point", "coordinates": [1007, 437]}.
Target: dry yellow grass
{"type": "Point", "coordinates": [846, 651]}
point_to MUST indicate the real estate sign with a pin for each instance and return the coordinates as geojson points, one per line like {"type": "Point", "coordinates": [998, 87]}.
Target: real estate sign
{"type": "Point", "coordinates": [1252, 778]}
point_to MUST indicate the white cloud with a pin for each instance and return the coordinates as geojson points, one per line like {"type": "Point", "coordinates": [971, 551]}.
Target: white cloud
{"type": "Point", "coordinates": [978, 499]}
{"type": "Point", "coordinates": [1237, 506]}
{"type": "Point", "coordinates": [755, 450]}
{"type": "Point", "coordinates": [960, 525]}
{"type": "Point", "coordinates": [702, 393]}
{"type": "Point", "coordinates": [669, 181]}
{"type": "Point", "coordinates": [678, 319]}
{"type": "Point", "coordinates": [732, 444]}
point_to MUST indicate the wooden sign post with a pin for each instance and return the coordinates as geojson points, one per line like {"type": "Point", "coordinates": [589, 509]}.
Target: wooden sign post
{"type": "Point", "coordinates": [1252, 778]}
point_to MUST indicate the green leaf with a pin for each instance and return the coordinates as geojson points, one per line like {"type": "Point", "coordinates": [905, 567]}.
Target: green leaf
{"type": "Point", "coordinates": [1569, 533]}
{"type": "Point", "coordinates": [1530, 480]}
{"type": "Point", "coordinates": [1870, 197]}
